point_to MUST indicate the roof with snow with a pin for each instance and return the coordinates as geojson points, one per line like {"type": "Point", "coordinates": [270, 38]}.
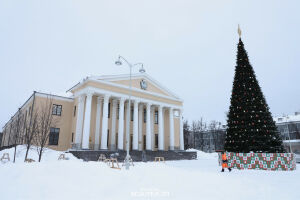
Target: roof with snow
{"type": "Point", "coordinates": [288, 118]}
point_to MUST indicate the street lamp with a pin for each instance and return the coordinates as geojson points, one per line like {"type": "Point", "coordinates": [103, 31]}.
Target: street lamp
{"type": "Point", "coordinates": [288, 131]}
{"type": "Point", "coordinates": [141, 70]}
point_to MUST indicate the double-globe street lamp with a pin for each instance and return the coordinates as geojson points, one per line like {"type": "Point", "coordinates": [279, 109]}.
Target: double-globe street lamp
{"type": "Point", "coordinates": [141, 70]}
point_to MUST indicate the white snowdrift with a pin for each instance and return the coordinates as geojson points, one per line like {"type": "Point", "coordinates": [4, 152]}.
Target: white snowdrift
{"type": "Point", "coordinates": [189, 179]}
{"type": "Point", "coordinates": [49, 155]}
{"type": "Point", "coordinates": [203, 155]}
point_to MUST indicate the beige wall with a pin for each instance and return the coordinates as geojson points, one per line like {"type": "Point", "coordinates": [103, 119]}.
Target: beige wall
{"type": "Point", "coordinates": [63, 122]}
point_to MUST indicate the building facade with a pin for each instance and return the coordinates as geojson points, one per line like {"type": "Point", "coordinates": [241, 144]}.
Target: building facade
{"type": "Point", "coordinates": [96, 115]}
{"type": "Point", "coordinates": [289, 128]}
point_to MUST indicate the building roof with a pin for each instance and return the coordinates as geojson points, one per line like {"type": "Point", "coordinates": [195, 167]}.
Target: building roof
{"type": "Point", "coordinates": [288, 118]}
{"type": "Point", "coordinates": [109, 79]}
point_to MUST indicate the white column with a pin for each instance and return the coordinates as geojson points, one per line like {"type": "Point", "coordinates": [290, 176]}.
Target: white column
{"type": "Point", "coordinates": [128, 119]}
{"type": "Point", "coordinates": [121, 125]}
{"type": "Point", "coordinates": [171, 129]}
{"type": "Point", "coordinates": [135, 138]}
{"type": "Point", "coordinates": [152, 127]}
{"type": "Point", "coordinates": [160, 129]}
{"type": "Point", "coordinates": [87, 121]}
{"type": "Point", "coordinates": [97, 129]}
{"type": "Point", "coordinates": [181, 139]}
{"type": "Point", "coordinates": [113, 124]}
{"type": "Point", "coordinates": [141, 112]}
{"type": "Point", "coordinates": [104, 122]}
{"type": "Point", "coordinates": [79, 121]}
{"type": "Point", "coordinates": [148, 128]}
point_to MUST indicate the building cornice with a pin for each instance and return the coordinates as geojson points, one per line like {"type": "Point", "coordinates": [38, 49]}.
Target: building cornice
{"type": "Point", "coordinates": [56, 97]}
{"type": "Point", "coordinates": [125, 96]}
{"type": "Point", "coordinates": [136, 76]}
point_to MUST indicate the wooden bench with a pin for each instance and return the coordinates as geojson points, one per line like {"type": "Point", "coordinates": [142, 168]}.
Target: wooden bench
{"type": "Point", "coordinates": [62, 157]}
{"type": "Point", "coordinates": [159, 159]}
{"type": "Point", "coordinates": [107, 161]}
{"type": "Point", "coordinates": [112, 161]}
{"type": "Point", "coordinates": [101, 158]}
{"type": "Point", "coordinates": [4, 157]}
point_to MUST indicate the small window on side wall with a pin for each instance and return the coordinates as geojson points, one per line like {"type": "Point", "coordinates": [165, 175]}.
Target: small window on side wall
{"type": "Point", "coordinates": [56, 109]}
{"type": "Point", "coordinates": [54, 136]}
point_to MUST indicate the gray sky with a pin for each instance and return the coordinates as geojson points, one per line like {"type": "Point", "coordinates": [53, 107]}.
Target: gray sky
{"type": "Point", "coordinates": [189, 46]}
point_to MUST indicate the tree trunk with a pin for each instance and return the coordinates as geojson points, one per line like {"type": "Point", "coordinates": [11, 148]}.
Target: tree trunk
{"type": "Point", "coordinates": [26, 155]}
{"type": "Point", "coordinates": [40, 154]}
{"type": "Point", "coordinates": [15, 153]}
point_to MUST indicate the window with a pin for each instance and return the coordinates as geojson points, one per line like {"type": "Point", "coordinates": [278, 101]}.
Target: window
{"type": "Point", "coordinates": [108, 136]}
{"type": "Point", "coordinates": [74, 111]}
{"type": "Point", "coordinates": [72, 137]}
{"type": "Point", "coordinates": [54, 135]}
{"type": "Point", "coordinates": [156, 117]}
{"type": "Point", "coordinates": [118, 111]}
{"type": "Point", "coordinates": [131, 114]}
{"type": "Point", "coordinates": [156, 140]}
{"type": "Point", "coordinates": [144, 142]}
{"type": "Point", "coordinates": [145, 116]}
{"type": "Point", "coordinates": [108, 110]}
{"type": "Point", "coordinates": [56, 109]}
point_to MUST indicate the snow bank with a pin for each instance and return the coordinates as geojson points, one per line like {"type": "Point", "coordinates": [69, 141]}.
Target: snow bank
{"type": "Point", "coordinates": [204, 155]}
{"type": "Point", "coordinates": [49, 155]}
{"type": "Point", "coordinates": [187, 179]}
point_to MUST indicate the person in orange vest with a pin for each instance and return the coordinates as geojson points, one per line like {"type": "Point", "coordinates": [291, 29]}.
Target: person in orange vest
{"type": "Point", "coordinates": [224, 162]}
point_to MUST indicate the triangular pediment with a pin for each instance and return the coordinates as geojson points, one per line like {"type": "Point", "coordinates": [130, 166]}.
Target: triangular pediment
{"type": "Point", "coordinates": [139, 81]}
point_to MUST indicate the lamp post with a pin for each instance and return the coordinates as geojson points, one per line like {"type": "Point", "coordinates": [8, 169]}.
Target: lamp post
{"type": "Point", "coordinates": [288, 131]}
{"type": "Point", "coordinates": [141, 70]}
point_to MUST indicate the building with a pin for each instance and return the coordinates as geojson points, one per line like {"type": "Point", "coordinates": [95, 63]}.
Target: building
{"type": "Point", "coordinates": [289, 127]}
{"type": "Point", "coordinates": [210, 140]}
{"type": "Point", "coordinates": [96, 114]}
{"type": "Point", "coordinates": [1, 134]}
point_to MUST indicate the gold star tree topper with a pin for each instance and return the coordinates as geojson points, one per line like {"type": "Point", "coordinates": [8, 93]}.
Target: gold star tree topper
{"type": "Point", "coordinates": [239, 31]}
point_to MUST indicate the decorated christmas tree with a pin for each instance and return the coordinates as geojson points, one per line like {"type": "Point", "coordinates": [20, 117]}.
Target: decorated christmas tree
{"type": "Point", "coordinates": [250, 123]}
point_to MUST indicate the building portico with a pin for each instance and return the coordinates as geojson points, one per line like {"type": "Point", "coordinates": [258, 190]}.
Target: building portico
{"type": "Point", "coordinates": [102, 118]}
{"type": "Point", "coordinates": [111, 123]}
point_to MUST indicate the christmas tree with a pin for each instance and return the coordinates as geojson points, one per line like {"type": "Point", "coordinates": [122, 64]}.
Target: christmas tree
{"type": "Point", "coordinates": [250, 123]}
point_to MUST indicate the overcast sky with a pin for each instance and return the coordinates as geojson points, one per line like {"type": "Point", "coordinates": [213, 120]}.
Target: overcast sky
{"type": "Point", "coordinates": [189, 46]}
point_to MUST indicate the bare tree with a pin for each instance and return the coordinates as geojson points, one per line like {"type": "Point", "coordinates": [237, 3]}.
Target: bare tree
{"type": "Point", "coordinates": [17, 127]}
{"type": "Point", "coordinates": [31, 131]}
{"type": "Point", "coordinates": [194, 130]}
{"type": "Point", "coordinates": [30, 127]}
{"type": "Point", "coordinates": [186, 134]}
{"type": "Point", "coordinates": [197, 130]}
{"type": "Point", "coordinates": [202, 128]}
{"type": "Point", "coordinates": [45, 122]}
{"type": "Point", "coordinates": [215, 128]}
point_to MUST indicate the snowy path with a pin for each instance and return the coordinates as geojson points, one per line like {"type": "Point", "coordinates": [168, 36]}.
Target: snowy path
{"type": "Point", "coordinates": [198, 179]}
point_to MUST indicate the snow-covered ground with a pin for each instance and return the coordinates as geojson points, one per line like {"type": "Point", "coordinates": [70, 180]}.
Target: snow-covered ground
{"type": "Point", "coordinates": [196, 179]}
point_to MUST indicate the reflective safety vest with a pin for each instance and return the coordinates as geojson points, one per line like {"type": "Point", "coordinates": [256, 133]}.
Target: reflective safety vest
{"type": "Point", "coordinates": [224, 156]}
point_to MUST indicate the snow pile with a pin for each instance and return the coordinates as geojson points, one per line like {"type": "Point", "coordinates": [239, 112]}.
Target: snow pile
{"type": "Point", "coordinates": [49, 155]}
{"type": "Point", "coordinates": [204, 155]}
{"type": "Point", "coordinates": [187, 179]}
